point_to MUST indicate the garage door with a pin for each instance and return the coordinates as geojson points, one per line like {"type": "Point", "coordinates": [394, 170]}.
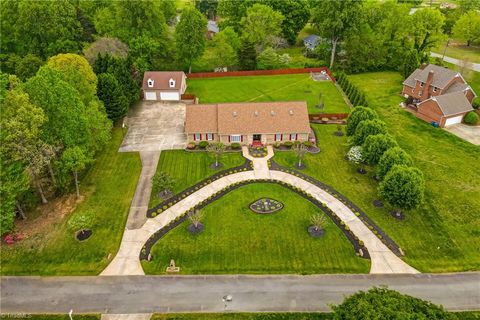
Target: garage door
{"type": "Point", "coordinates": [453, 120]}
{"type": "Point", "coordinates": [150, 95]}
{"type": "Point", "coordinates": [169, 96]}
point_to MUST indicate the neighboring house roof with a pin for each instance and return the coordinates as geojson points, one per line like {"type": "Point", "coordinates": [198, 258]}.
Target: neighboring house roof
{"type": "Point", "coordinates": [161, 80]}
{"type": "Point", "coordinates": [311, 41]}
{"type": "Point", "coordinates": [452, 103]}
{"type": "Point", "coordinates": [248, 118]}
{"type": "Point", "coordinates": [441, 76]}
{"type": "Point", "coordinates": [212, 26]}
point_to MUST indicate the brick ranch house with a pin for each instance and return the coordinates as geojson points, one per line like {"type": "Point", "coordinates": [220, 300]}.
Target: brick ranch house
{"type": "Point", "coordinates": [164, 85]}
{"type": "Point", "coordinates": [437, 94]}
{"type": "Point", "coordinates": [248, 123]}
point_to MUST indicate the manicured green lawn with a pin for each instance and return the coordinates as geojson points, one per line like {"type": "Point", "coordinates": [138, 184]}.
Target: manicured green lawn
{"type": "Point", "coordinates": [188, 168]}
{"type": "Point", "coordinates": [443, 234]}
{"type": "Point", "coordinates": [108, 188]}
{"type": "Point", "coordinates": [294, 87]}
{"type": "Point", "coordinates": [459, 50]}
{"type": "Point", "coordinates": [236, 240]}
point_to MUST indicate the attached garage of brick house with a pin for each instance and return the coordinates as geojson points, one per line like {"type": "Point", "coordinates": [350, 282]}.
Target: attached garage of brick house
{"type": "Point", "coordinates": [445, 110]}
{"type": "Point", "coordinates": [248, 123]}
{"type": "Point", "coordinates": [164, 85]}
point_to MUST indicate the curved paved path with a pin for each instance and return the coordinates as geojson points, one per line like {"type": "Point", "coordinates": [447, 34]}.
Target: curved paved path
{"type": "Point", "coordinates": [472, 66]}
{"type": "Point", "coordinates": [127, 262]}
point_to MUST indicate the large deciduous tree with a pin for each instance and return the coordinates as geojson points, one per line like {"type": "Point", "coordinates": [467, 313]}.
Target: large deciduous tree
{"type": "Point", "coordinates": [334, 20]}
{"type": "Point", "coordinates": [261, 24]}
{"type": "Point", "coordinates": [426, 30]}
{"type": "Point", "coordinates": [392, 157]}
{"type": "Point", "coordinates": [403, 187]}
{"type": "Point", "coordinates": [357, 115]}
{"type": "Point", "coordinates": [368, 128]}
{"type": "Point", "coordinates": [467, 28]}
{"type": "Point", "coordinates": [190, 36]}
{"type": "Point", "coordinates": [221, 53]}
{"type": "Point", "coordinates": [296, 13]}
{"type": "Point", "coordinates": [103, 46]}
{"type": "Point", "coordinates": [376, 145]}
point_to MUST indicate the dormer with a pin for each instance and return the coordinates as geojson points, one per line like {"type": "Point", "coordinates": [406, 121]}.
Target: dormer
{"type": "Point", "coordinates": [150, 83]}
{"type": "Point", "coordinates": [171, 83]}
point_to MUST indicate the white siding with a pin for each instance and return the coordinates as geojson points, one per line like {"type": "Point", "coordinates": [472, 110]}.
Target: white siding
{"type": "Point", "coordinates": [150, 95]}
{"type": "Point", "coordinates": [453, 120]}
{"type": "Point", "coordinates": [170, 96]}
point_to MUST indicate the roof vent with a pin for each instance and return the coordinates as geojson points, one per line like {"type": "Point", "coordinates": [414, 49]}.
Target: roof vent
{"type": "Point", "coordinates": [234, 114]}
{"type": "Point", "coordinates": [272, 113]}
{"type": "Point", "coordinates": [290, 112]}
{"type": "Point", "coordinates": [255, 113]}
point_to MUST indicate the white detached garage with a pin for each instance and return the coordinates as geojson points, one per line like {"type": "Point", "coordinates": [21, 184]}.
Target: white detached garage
{"type": "Point", "coordinates": [164, 85]}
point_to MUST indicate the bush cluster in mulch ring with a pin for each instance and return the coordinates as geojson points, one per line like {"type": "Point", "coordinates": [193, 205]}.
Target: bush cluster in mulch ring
{"type": "Point", "coordinates": [339, 133]}
{"type": "Point", "coordinates": [214, 167]}
{"type": "Point", "coordinates": [361, 171]}
{"type": "Point", "coordinates": [165, 194]}
{"type": "Point", "coordinates": [83, 234]}
{"type": "Point", "coordinates": [377, 203]}
{"type": "Point", "coordinates": [266, 205]}
{"type": "Point", "coordinates": [313, 149]}
{"type": "Point", "coordinates": [397, 215]}
{"type": "Point", "coordinates": [315, 232]}
{"type": "Point", "coordinates": [194, 230]}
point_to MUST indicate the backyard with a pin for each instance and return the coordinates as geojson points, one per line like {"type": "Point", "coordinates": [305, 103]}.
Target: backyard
{"type": "Point", "coordinates": [188, 168]}
{"type": "Point", "coordinates": [442, 235]}
{"type": "Point", "coordinates": [237, 240]}
{"type": "Point", "coordinates": [108, 188]}
{"type": "Point", "coordinates": [294, 87]}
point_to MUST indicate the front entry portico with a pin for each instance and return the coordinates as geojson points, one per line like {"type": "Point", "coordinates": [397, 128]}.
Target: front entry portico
{"type": "Point", "coordinates": [257, 137]}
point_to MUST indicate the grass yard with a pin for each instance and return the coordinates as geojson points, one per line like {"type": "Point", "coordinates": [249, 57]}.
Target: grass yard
{"type": "Point", "coordinates": [294, 87]}
{"type": "Point", "coordinates": [108, 187]}
{"type": "Point", "coordinates": [236, 240]}
{"type": "Point", "coordinates": [459, 50]}
{"type": "Point", "coordinates": [443, 234]}
{"type": "Point", "coordinates": [188, 168]}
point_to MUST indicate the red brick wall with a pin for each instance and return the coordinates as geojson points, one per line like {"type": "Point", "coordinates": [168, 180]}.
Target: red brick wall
{"type": "Point", "coordinates": [429, 111]}
{"type": "Point", "coordinates": [258, 73]}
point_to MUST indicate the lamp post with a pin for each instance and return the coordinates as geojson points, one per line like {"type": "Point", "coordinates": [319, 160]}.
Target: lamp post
{"type": "Point", "coordinates": [445, 50]}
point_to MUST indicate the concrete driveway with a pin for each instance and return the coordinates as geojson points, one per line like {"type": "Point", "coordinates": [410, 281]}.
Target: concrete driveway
{"type": "Point", "coordinates": [468, 133]}
{"type": "Point", "coordinates": [155, 126]}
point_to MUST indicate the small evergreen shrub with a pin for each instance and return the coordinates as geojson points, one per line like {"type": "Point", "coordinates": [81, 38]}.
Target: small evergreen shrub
{"type": "Point", "coordinates": [288, 144]}
{"type": "Point", "coordinates": [203, 144]}
{"type": "Point", "coordinates": [471, 118]}
{"type": "Point", "coordinates": [235, 145]}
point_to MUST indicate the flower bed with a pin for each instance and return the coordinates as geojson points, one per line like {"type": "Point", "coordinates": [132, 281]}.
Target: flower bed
{"type": "Point", "coordinates": [266, 205]}
{"type": "Point", "coordinates": [357, 244]}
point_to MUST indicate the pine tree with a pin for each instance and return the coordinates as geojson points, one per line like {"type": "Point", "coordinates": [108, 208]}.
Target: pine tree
{"type": "Point", "coordinates": [111, 93]}
{"type": "Point", "coordinates": [247, 56]}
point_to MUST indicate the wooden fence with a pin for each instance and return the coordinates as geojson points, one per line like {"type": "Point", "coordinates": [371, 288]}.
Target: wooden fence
{"type": "Point", "coordinates": [258, 73]}
{"type": "Point", "coordinates": [330, 116]}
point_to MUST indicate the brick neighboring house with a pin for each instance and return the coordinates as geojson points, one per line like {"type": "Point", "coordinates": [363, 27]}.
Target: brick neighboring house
{"type": "Point", "coordinates": [248, 123]}
{"type": "Point", "coordinates": [164, 85]}
{"type": "Point", "coordinates": [438, 94]}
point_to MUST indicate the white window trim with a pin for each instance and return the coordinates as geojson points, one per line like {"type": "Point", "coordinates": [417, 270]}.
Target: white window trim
{"type": "Point", "coordinates": [209, 136]}
{"type": "Point", "coordinates": [235, 138]}
{"type": "Point", "coordinates": [293, 137]}
{"type": "Point", "coordinates": [197, 137]}
{"type": "Point", "coordinates": [422, 84]}
{"type": "Point", "coordinates": [278, 137]}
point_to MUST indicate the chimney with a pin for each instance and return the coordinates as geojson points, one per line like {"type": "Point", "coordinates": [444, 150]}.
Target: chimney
{"type": "Point", "coordinates": [426, 87]}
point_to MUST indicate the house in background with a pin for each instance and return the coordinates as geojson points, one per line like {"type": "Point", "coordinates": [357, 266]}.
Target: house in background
{"type": "Point", "coordinates": [164, 85]}
{"type": "Point", "coordinates": [438, 95]}
{"type": "Point", "coordinates": [311, 42]}
{"type": "Point", "coordinates": [212, 29]}
{"type": "Point", "coordinates": [248, 123]}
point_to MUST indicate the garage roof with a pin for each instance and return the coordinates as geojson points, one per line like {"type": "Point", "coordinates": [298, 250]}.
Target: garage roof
{"type": "Point", "coordinates": [161, 80]}
{"type": "Point", "coordinates": [453, 103]}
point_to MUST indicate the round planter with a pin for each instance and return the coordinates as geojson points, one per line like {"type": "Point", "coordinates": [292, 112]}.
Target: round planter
{"type": "Point", "coordinates": [83, 234]}
{"type": "Point", "coordinates": [315, 232]}
{"type": "Point", "coordinates": [214, 167]}
{"type": "Point", "coordinates": [194, 230]}
{"type": "Point", "coordinates": [397, 215]}
{"type": "Point", "coordinates": [377, 203]}
{"type": "Point", "coordinates": [266, 206]}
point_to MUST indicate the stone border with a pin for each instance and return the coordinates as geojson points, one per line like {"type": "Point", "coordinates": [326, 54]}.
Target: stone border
{"type": "Point", "coordinates": [164, 205]}
{"type": "Point", "coordinates": [355, 209]}
{"type": "Point", "coordinates": [356, 243]}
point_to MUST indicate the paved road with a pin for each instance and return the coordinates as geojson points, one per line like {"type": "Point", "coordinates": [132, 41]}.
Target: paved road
{"type": "Point", "coordinates": [147, 294]}
{"type": "Point", "coordinates": [472, 66]}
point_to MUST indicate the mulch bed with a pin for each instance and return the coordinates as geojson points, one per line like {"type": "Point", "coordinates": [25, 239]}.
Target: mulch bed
{"type": "Point", "coordinates": [397, 215]}
{"type": "Point", "coordinates": [214, 167]}
{"type": "Point", "coordinates": [266, 205]}
{"type": "Point", "coordinates": [313, 149]}
{"type": "Point", "coordinates": [315, 232]}
{"type": "Point", "coordinates": [377, 203]}
{"type": "Point", "coordinates": [194, 230]}
{"type": "Point", "coordinates": [83, 234]}
{"type": "Point", "coordinates": [339, 133]}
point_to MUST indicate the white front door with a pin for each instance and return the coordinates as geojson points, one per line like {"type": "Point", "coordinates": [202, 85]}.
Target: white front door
{"type": "Point", "coordinates": [150, 95]}
{"type": "Point", "coordinates": [453, 120]}
{"type": "Point", "coordinates": [169, 96]}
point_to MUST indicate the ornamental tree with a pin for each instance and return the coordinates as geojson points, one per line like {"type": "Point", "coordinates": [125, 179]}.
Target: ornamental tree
{"type": "Point", "coordinates": [300, 150]}
{"type": "Point", "coordinates": [403, 187]}
{"type": "Point", "coordinates": [391, 157]}
{"type": "Point", "coordinates": [356, 116]}
{"type": "Point", "coordinates": [368, 128]}
{"type": "Point", "coordinates": [162, 182]}
{"type": "Point", "coordinates": [382, 303]}
{"type": "Point", "coordinates": [376, 145]}
{"type": "Point", "coordinates": [217, 149]}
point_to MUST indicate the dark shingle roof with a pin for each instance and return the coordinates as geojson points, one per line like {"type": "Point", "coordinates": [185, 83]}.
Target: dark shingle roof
{"type": "Point", "coordinates": [311, 41]}
{"type": "Point", "coordinates": [453, 103]}
{"type": "Point", "coordinates": [457, 87]}
{"type": "Point", "coordinates": [441, 76]}
{"type": "Point", "coordinates": [410, 81]}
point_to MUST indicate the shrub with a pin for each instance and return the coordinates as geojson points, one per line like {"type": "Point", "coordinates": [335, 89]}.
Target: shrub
{"type": "Point", "coordinates": [471, 118]}
{"type": "Point", "coordinates": [288, 144]}
{"type": "Point", "coordinates": [391, 157]}
{"type": "Point", "coordinates": [235, 145]}
{"type": "Point", "coordinates": [276, 144]}
{"type": "Point", "coordinates": [376, 145]}
{"type": "Point", "coordinates": [308, 144]}
{"type": "Point", "coordinates": [191, 145]}
{"type": "Point", "coordinates": [358, 115]}
{"type": "Point", "coordinates": [81, 220]}
{"type": "Point", "coordinates": [476, 103]}
{"type": "Point", "coordinates": [368, 128]}
{"type": "Point", "coordinates": [203, 144]}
